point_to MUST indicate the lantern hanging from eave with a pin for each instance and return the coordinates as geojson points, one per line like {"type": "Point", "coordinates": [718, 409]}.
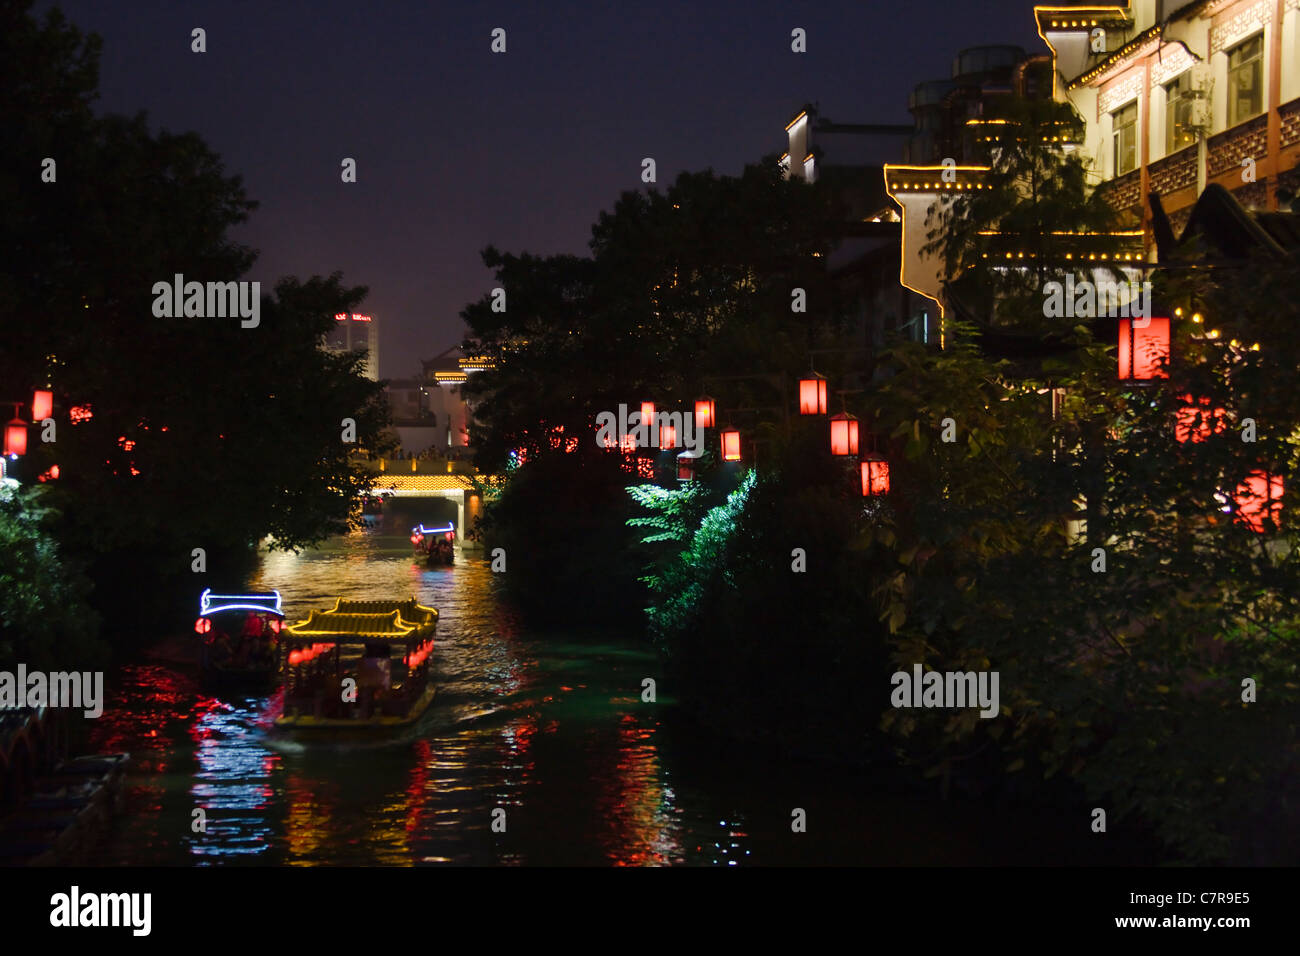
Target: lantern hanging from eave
{"type": "Point", "coordinates": [731, 445]}
{"type": "Point", "coordinates": [1144, 351]}
{"type": "Point", "coordinates": [812, 395]}
{"type": "Point", "coordinates": [704, 412]}
{"type": "Point", "coordinates": [1196, 420]}
{"type": "Point", "coordinates": [844, 434]}
{"type": "Point", "coordinates": [647, 412]}
{"type": "Point", "coordinates": [875, 475]}
{"type": "Point", "coordinates": [667, 437]}
{"type": "Point", "coordinates": [42, 405]}
{"type": "Point", "coordinates": [1258, 499]}
{"type": "Point", "coordinates": [16, 437]}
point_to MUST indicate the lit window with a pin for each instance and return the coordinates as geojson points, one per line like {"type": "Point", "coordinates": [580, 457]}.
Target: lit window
{"type": "Point", "coordinates": [1246, 80]}
{"type": "Point", "coordinates": [1178, 114]}
{"type": "Point", "coordinates": [1124, 124]}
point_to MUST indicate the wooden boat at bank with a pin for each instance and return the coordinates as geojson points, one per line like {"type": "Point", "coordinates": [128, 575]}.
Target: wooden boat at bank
{"type": "Point", "coordinates": [381, 647]}
{"type": "Point", "coordinates": [53, 810]}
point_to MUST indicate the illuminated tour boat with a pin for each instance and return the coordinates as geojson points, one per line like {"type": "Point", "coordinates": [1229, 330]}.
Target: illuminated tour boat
{"type": "Point", "coordinates": [240, 635]}
{"type": "Point", "coordinates": [434, 545]}
{"type": "Point", "coordinates": [358, 669]}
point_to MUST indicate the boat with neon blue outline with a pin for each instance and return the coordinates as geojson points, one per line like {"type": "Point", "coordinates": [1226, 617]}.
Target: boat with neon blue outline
{"type": "Point", "coordinates": [240, 636]}
{"type": "Point", "coordinates": [434, 545]}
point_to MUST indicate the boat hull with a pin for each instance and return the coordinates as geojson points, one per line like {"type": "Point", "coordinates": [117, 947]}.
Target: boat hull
{"type": "Point", "coordinates": [305, 727]}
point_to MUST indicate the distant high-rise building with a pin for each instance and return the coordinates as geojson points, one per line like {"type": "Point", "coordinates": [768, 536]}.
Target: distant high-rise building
{"type": "Point", "coordinates": [354, 332]}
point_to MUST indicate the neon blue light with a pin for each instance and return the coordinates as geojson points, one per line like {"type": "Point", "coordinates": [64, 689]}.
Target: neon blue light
{"type": "Point", "coordinates": [421, 529]}
{"type": "Point", "coordinates": [210, 603]}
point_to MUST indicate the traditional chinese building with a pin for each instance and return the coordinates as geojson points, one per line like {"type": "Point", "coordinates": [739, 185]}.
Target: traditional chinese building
{"type": "Point", "coordinates": [1177, 94]}
{"type": "Point", "coordinates": [1172, 95]}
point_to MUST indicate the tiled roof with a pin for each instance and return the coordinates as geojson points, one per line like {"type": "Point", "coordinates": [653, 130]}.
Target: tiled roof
{"type": "Point", "coordinates": [361, 625]}
{"type": "Point", "coordinates": [400, 482]}
{"type": "Point", "coordinates": [409, 611]}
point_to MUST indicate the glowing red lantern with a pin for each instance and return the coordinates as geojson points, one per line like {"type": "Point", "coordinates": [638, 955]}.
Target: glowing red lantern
{"type": "Point", "coordinates": [295, 658]}
{"type": "Point", "coordinates": [202, 626]}
{"type": "Point", "coordinates": [16, 437]}
{"type": "Point", "coordinates": [875, 476]}
{"type": "Point", "coordinates": [42, 405]}
{"type": "Point", "coordinates": [812, 395]}
{"type": "Point", "coordinates": [1143, 352]}
{"type": "Point", "coordinates": [276, 625]}
{"type": "Point", "coordinates": [1258, 498]}
{"type": "Point", "coordinates": [844, 434]}
{"type": "Point", "coordinates": [667, 437]}
{"type": "Point", "coordinates": [647, 412]}
{"type": "Point", "coordinates": [686, 466]}
{"type": "Point", "coordinates": [731, 445]}
{"type": "Point", "coordinates": [704, 412]}
{"type": "Point", "coordinates": [1197, 421]}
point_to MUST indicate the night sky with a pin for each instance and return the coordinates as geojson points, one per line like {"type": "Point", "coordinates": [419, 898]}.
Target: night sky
{"type": "Point", "coordinates": [457, 147]}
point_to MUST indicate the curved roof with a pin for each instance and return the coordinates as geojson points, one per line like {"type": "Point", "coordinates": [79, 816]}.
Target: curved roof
{"type": "Point", "coordinates": [358, 625]}
{"type": "Point", "coordinates": [409, 611]}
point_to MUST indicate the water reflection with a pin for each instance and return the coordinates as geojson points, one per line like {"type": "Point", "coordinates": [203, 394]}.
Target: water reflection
{"type": "Point", "coordinates": [551, 731]}
{"type": "Point", "coordinates": [505, 732]}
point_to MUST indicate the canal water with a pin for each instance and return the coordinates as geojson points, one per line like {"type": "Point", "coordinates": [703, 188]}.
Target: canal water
{"type": "Point", "coordinates": [550, 729]}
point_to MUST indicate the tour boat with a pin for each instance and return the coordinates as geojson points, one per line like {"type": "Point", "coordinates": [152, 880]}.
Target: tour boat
{"type": "Point", "coordinates": [360, 669]}
{"type": "Point", "coordinates": [240, 635]}
{"type": "Point", "coordinates": [434, 545]}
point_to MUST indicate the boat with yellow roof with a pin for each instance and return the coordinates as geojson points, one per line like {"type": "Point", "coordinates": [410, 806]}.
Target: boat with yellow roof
{"type": "Point", "coordinates": [360, 668]}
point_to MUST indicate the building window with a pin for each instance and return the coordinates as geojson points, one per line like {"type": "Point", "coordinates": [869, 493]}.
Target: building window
{"type": "Point", "coordinates": [1178, 114]}
{"type": "Point", "coordinates": [1246, 80]}
{"type": "Point", "coordinates": [1124, 125]}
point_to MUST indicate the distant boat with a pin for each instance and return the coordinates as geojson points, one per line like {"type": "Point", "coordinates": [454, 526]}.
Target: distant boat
{"type": "Point", "coordinates": [358, 669]}
{"type": "Point", "coordinates": [434, 545]}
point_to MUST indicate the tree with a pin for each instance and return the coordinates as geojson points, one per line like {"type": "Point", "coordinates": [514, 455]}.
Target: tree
{"type": "Point", "coordinates": [683, 290]}
{"type": "Point", "coordinates": [1035, 217]}
{"type": "Point", "coordinates": [190, 432]}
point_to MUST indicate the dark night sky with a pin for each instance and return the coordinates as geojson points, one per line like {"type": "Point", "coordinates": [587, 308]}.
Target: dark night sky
{"type": "Point", "coordinates": [457, 147]}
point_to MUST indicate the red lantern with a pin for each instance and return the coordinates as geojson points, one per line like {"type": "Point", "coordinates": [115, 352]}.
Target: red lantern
{"type": "Point", "coordinates": [1258, 498]}
{"type": "Point", "coordinates": [844, 434]}
{"type": "Point", "coordinates": [202, 626]}
{"type": "Point", "coordinates": [647, 412]}
{"type": "Point", "coordinates": [704, 412]}
{"type": "Point", "coordinates": [685, 467]}
{"type": "Point", "coordinates": [731, 445]}
{"type": "Point", "coordinates": [276, 625]}
{"type": "Point", "coordinates": [812, 395]}
{"type": "Point", "coordinates": [42, 405]}
{"type": "Point", "coordinates": [16, 437]}
{"type": "Point", "coordinates": [1143, 352]}
{"type": "Point", "coordinates": [667, 437]}
{"type": "Point", "coordinates": [875, 476]}
{"type": "Point", "coordinates": [1197, 421]}
{"type": "Point", "coordinates": [295, 658]}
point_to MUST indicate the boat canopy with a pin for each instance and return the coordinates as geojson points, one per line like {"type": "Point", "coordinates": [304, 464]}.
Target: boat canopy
{"type": "Point", "coordinates": [421, 529]}
{"type": "Point", "coordinates": [410, 610]}
{"type": "Point", "coordinates": [267, 602]}
{"type": "Point", "coordinates": [328, 627]}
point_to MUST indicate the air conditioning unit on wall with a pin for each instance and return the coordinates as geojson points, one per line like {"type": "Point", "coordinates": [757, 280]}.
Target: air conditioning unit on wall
{"type": "Point", "coordinates": [1200, 116]}
{"type": "Point", "coordinates": [1201, 79]}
